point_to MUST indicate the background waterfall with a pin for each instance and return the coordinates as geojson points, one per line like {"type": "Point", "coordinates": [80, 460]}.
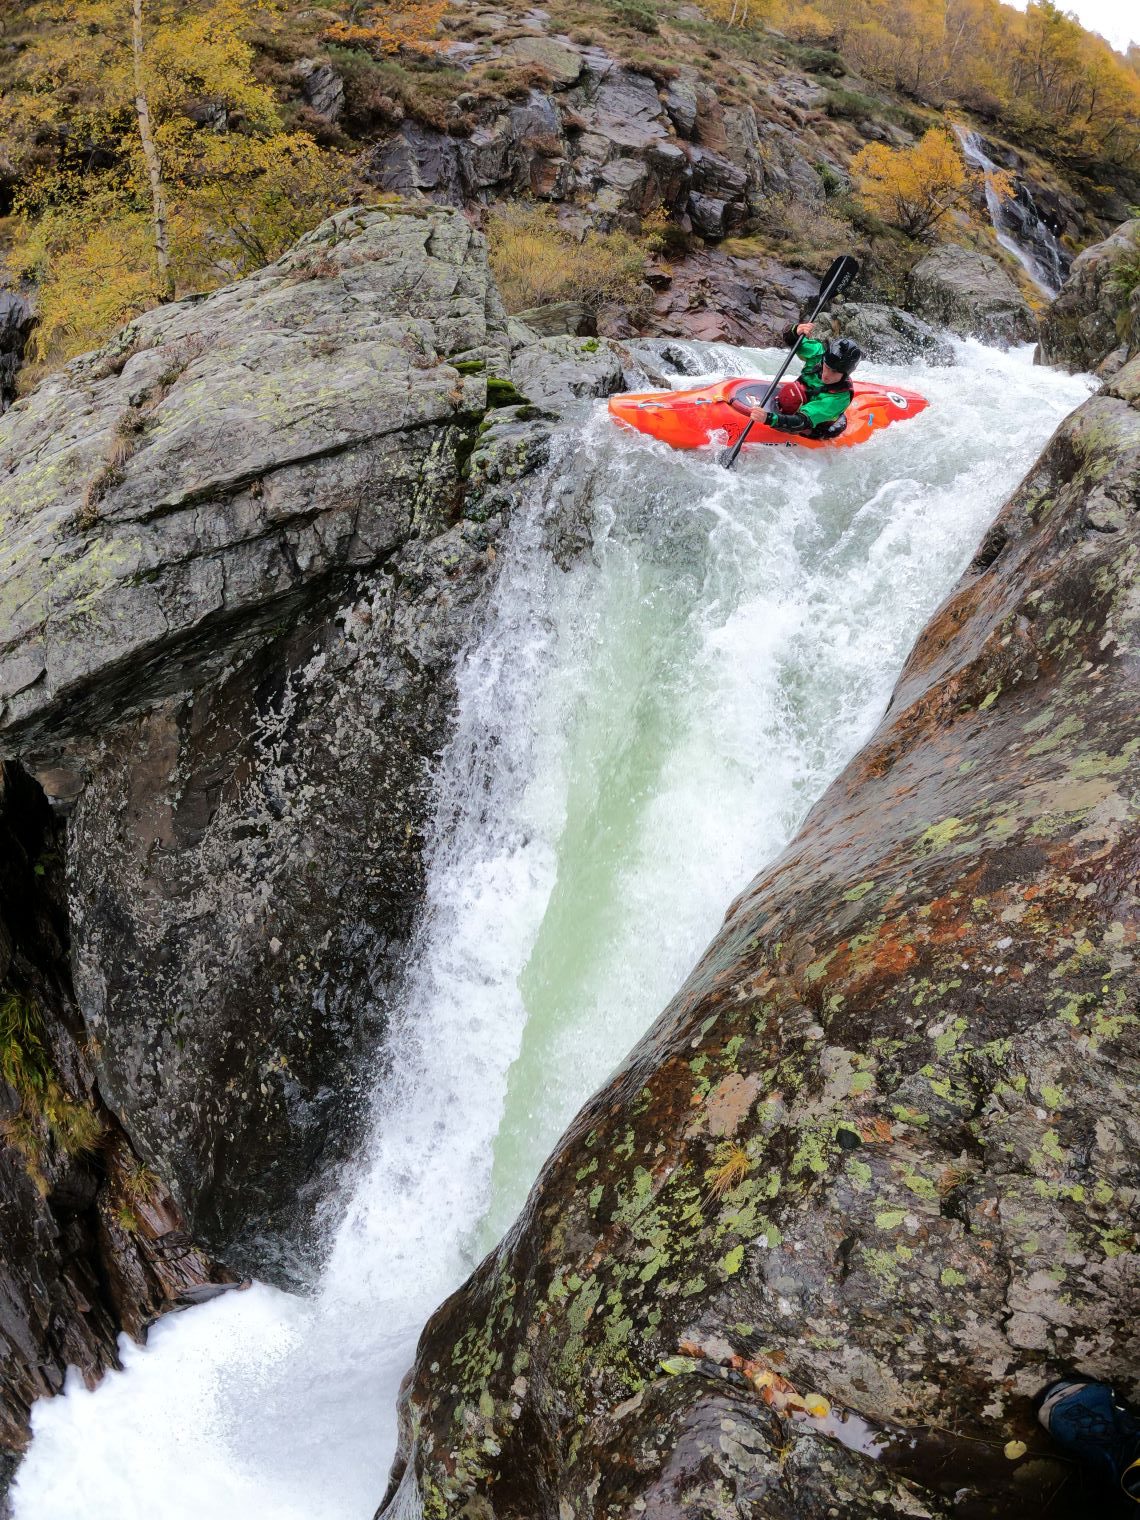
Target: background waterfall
{"type": "Point", "coordinates": [1019, 223]}
{"type": "Point", "coordinates": [638, 734]}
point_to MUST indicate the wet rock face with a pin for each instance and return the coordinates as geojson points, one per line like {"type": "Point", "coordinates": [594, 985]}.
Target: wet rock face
{"type": "Point", "coordinates": [15, 325]}
{"type": "Point", "coordinates": [245, 543]}
{"type": "Point", "coordinates": [92, 1243]}
{"type": "Point", "coordinates": [606, 138]}
{"type": "Point", "coordinates": [1094, 324]}
{"type": "Point", "coordinates": [881, 1148]}
{"type": "Point", "coordinates": [738, 299]}
{"type": "Point", "coordinates": [972, 294]}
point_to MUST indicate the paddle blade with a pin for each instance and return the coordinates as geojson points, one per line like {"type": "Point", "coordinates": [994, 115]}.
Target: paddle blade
{"type": "Point", "coordinates": [838, 277]}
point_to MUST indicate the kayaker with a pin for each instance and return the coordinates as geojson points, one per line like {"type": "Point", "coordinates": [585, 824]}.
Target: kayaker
{"type": "Point", "coordinates": [816, 402]}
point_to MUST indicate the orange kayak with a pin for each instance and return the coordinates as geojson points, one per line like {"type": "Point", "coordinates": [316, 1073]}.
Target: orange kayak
{"type": "Point", "coordinates": [689, 419]}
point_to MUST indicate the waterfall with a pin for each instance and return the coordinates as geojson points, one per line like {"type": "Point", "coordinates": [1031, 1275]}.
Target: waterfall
{"type": "Point", "coordinates": [1018, 222]}
{"type": "Point", "coordinates": [638, 734]}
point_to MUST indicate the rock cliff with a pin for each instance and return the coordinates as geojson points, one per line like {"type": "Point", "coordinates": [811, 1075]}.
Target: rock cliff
{"type": "Point", "coordinates": [870, 1181]}
{"type": "Point", "coordinates": [1094, 324]}
{"type": "Point", "coordinates": [242, 545]}
{"type": "Point", "coordinates": [92, 1241]}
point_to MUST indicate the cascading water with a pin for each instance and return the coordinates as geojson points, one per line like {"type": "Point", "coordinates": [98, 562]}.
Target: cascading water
{"type": "Point", "coordinates": [637, 735]}
{"type": "Point", "coordinates": [1018, 223]}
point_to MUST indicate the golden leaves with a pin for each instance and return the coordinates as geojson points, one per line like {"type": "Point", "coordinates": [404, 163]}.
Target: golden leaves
{"type": "Point", "coordinates": [912, 188]}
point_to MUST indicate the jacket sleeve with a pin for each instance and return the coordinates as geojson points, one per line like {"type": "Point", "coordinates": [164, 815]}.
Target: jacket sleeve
{"type": "Point", "coordinates": [788, 422]}
{"type": "Point", "coordinates": [809, 349]}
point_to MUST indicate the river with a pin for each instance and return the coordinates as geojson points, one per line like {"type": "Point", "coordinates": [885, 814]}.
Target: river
{"type": "Point", "coordinates": [638, 735]}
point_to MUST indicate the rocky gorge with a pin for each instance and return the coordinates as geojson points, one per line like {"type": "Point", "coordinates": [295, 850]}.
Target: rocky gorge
{"type": "Point", "coordinates": [869, 1182]}
{"type": "Point", "coordinates": [889, 1107]}
{"type": "Point", "coordinates": [229, 670]}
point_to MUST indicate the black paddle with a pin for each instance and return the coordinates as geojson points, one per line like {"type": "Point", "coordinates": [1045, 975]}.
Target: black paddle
{"type": "Point", "coordinates": [841, 273]}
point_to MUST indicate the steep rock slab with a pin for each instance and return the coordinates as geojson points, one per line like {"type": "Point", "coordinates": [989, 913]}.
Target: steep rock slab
{"type": "Point", "coordinates": [232, 657]}
{"type": "Point", "coordinates": [882, 1146]}
{"type": "Point", "coordinates": [972, 294]}
{"type": "Point", "coordinates": [92, 1245]}
{"type": "Point", "coordinates": [1091, 323]}
{"type": "Point", "coordinates": [210, 469]}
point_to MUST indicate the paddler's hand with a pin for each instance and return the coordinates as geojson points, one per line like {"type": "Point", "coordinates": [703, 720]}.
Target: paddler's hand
{"type": "Point", "coordinates": [760, 414]}
{"type": "Point", "coordinates": [804, 329]}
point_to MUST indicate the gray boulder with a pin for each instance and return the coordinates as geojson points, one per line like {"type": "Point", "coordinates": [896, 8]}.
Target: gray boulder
{"type": "Point", "coordinates": [559, 317]}
{"type": "Point", "coordinates": [322, 87]}
{"type": "Point", "coordinates": [15, 325]}
{"type": "Point", "coordinates": [1091, 324]}
{"type": "Point", "coordinates": [888, 335]}
{"type": "Point", "coordinates": [681, 102]}
{"type": "Point", "coordinates": [562, 63]}
{"type": "Point", "coordinates": [418, 161]}
{"type": "Point", "coordinates": [971, 294]}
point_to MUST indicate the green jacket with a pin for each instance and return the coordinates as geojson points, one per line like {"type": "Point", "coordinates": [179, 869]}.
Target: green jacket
{"type": "Point", "coordinates": [825, 402]}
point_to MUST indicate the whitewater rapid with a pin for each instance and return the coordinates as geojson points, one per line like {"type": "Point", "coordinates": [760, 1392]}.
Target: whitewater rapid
{"type": "Point", "coordinates": [638, 735]}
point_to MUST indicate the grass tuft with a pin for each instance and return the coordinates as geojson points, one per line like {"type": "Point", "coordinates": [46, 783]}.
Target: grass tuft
{"type": "Point", "coordinates": [47, 1113]}
{"type": "Point", "coordinates": [538, 262]}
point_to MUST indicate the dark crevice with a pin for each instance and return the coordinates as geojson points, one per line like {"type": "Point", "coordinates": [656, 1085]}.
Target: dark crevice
{"type": "Point", "coordinates": [990, 548]}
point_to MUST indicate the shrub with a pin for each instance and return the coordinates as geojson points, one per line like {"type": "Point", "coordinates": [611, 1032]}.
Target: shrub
{"type": "Point", "coordinates": [638, 17]}
{"type": "Point", "coordinates": [45, 1110]}
{"type": "Point", "coordinates": [822, 60]}
{"type": "Point", "coordinates": [812, 28]}
{"type": "Point", "coordinates": [849, 105]}
{"type": "Point", "coordinates": [796, 226]}
{"type": "Point", "coordinates": [912, 188]}
{"type": "Point", "coordinates": [537, 262]}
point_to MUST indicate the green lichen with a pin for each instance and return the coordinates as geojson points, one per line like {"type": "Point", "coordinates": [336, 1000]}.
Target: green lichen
{"type": "Point", "coordinates": [731, 1262]}
{"type": "Point", "coordinates": [889, 1219]}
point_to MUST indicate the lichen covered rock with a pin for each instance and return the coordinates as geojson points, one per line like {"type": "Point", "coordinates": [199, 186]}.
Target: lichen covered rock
{"type": "Point", "coordinates": [1094, 324]}
{"type": "Point", "coordinates": [871, 1179]}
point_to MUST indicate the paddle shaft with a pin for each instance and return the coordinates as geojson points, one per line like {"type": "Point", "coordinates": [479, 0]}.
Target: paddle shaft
{"type": "Point", "coordinates": [841, 273]}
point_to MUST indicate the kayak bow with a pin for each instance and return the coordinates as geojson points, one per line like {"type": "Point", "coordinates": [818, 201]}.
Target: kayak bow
{"type": "Point", "coordinates": [690, 419]}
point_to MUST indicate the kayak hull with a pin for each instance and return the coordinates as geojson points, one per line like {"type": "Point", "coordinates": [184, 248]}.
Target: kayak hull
{"type": "Point", "coordinates": [695, 419]}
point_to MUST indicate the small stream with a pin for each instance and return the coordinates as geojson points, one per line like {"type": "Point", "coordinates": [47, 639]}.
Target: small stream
{"type": "Point", "coordinates": [1019, 223]}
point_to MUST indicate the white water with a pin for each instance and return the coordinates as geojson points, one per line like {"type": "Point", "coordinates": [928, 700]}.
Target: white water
{"type": "Point", "coordinates": [637, 737]}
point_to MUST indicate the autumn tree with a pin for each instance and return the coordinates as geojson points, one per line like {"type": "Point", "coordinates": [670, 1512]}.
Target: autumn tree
{"type": "Point", "coordinates": [390, 28]}
{"type": "Point", "coordinates": [912, 188]}
{"type": "Point", "coordinates": [1050, 82]}
{"type": "Point", "coordinates": [158, 160]}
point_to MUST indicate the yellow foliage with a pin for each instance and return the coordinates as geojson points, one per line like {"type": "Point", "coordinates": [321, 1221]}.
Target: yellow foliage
{"type": "Point", "coordinates": [238, 189]}
{"type": "Point", "coordinates": [1038, 70]}
{"type": "Point", "coordinates": [94, 273]}
{"type": "Point", "coordinates": [810, 26]}
{"type": "Point", "coordinates": [388, 28]}
{"type": "Point", "coordinates": [243, 200]}
{"type": "Point", "coordinates": [537, 262]}
{"type": "Point", "coordinates": [912, 188]}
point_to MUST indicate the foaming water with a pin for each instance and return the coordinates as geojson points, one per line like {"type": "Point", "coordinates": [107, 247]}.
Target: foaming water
{"type": "Point", "coordinates": [637, 736]}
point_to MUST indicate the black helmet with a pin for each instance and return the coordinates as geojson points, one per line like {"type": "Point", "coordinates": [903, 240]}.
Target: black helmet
{"type": "Point", "coordinates": [842, 354]}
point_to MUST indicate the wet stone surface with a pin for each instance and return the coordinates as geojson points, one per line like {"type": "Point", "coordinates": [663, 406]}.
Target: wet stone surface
{"type": "Point", "coordinates": [870, 1181]}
